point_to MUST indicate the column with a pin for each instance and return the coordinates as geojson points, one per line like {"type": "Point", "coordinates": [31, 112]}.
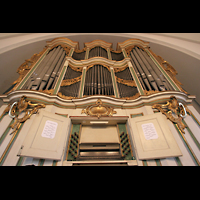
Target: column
{"type": "Point", "coordinates": [114, 82]}
{"type": "Point", "coordinates": [87, 53]}
{"type": "Point", "coordinates": [133, 73]}
{"type": "Point", "coordinates": [63, 71]}
{"type": "Point", "coordinates": [82, 82]}
{"type": "Point", "coordinates": [109, 54]}
{"type": "Point", "coordinates": [124, 53]}
{"type": "Point", "coordinates": [71, 52]}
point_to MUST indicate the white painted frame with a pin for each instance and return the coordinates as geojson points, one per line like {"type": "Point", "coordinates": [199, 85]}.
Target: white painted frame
{"type": "Point", "coordinates": [36, 146]}
{"type": "Point", "coordinates": [162, 147]}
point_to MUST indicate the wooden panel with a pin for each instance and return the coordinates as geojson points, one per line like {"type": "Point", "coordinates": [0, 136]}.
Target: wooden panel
{"type": "Point", "coordinates": [99, 134]}
{"type": "Point", "coordinates": [161, 146]}
{"type": "Point", "coordinates": [38, 146]}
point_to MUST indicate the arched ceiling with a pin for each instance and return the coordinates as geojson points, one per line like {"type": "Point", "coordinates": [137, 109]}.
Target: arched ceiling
{"type": "Point", "coordinates": [181, 50]}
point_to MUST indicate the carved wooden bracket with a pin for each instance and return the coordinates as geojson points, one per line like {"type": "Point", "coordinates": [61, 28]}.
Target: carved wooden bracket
{"type": "Point", "coordinates": [174, 111]}
{"type": "Point", "coordinates": [99, 110]}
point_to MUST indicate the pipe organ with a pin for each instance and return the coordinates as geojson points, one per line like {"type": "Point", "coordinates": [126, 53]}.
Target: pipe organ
{"type": "Point", "coordinates": [98, 52]}
{"type": "Point", "coordinates": [150, 76]}
{"type": "Point", "coordinates": [125, 83]}
{"type": "Point", "coordinates": [45, 76]}
{"type": "Point", "coordinates": [116, 55]}
{"type": "Point", "coordinates": [79, 55]}
{"type": "Point", "coordinates": [98, 106]}
{"type": "Point", "coordinates": [98, 81]}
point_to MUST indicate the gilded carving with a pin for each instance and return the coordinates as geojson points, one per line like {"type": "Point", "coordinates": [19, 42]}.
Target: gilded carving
{"type": "Point", "coordinates": [174, 111]}
{"type": "Point", "coordinates": [67, 82]}
{"type": "Point", "coordinates": [17, 109]}
{"type": "Point", "coordinates": [78, 69]}
{"type": "Point", "coordinates": [99, 110]}
{"type": "Point", "coordinates": [126, 82]}
{"type": "Point", "coordinates": [119, 69]}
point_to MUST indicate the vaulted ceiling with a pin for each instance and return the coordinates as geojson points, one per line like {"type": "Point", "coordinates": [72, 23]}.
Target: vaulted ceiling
{"type": "Point", "coordinates": [181, 50]}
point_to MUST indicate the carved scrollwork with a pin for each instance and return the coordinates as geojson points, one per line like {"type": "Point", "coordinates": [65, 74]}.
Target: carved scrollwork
{"type": "Point", "coordinates": [99, 110]}
{"type": "Point", "coordinates": [126, 82]}
{"type": "Point", "coordinates": [67, 82]}
{"type": "Point", "coordinates": [17, 108]}
{"type": "Point", "coordinates": [174, 111]}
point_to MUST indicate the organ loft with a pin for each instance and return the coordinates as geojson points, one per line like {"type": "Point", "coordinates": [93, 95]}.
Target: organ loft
{"type": "Point", "coordinates": [98, 106]}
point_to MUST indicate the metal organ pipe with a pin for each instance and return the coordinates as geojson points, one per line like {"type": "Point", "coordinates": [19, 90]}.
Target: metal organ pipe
{"type": "Point", "coordinates": [38, 71]}
{"type": "Point", "coordinates": [53, 74]}
{"type": "Point", "coordinates": [98, 52]}
{"type": "Point", "coordinates": [58, 73]}
{"type": "Point", "coordinates": [38, 80]}
{"type": "Point", "coordinates": [138, 74]}
{"type": "Point", "coordinates": [46, 74]}
{"type": "Point", "coordinates": [98, 81]}
{"type": "Point", "coordinates": [49, 71]}
{"type": "Point", "coordinates": [158, 72]}
{"type": "Point", "coordinates": [151, 70]}
{"type": "Point", "coordinates": [141, 72]}
{"type": "Point", "coordinates": [149, 76]}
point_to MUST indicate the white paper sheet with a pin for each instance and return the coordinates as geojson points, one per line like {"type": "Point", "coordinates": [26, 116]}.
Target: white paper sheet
{"type": "Point", "coordinates": [149, 131]}
{"type": "Point", "coordinates": [49, 130]}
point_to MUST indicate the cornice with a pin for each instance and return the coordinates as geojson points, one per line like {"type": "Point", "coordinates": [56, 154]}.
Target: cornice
{"type": "Point", "coordinates": [95, 43]}
{"type": "Point", "coordinates": [64, 40]}
{"type": "Point", "coordinates": [142, 100]}
{"type": "Point", "coordinates": [131, 42]}
{"type": "Point", "coordinates": [97, 60]}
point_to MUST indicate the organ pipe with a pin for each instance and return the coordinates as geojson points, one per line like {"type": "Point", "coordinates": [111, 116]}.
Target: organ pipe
{"type": "Point", "coordinates": [47, 71]}
{"type": "Point", "coordinates": [98, 81]}
{"type": "Point", "coordinates": [143, 75]}
{"type": "Point", "coordinates": [148, 73]}
{"type": "Point", "coordinates": [98, 52]}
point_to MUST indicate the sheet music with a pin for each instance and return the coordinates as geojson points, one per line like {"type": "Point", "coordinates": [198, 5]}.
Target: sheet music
{"type": "Point", "coordinates": [49, 130]}
{"type": "Point", "coordinates": [149, 131]}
